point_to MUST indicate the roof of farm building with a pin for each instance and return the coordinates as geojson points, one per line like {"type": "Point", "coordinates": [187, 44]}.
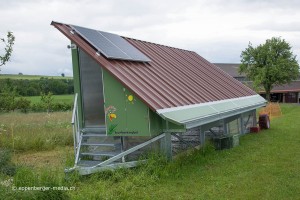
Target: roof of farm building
{"type": "Point", "coordinates": [231, 69]}
{"type": "Point", "coordinates": [172, 78]}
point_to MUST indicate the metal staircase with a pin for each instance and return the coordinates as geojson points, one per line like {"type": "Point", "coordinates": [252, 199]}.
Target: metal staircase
{"type": "Point", "coordinates": [96, 147]}
{"type": "Point", "coordinates": [91, 145]}
{"type": "Point", "coordinates": [94, 151]}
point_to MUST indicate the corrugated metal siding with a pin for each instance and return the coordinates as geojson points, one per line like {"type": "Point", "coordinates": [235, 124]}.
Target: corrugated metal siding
{"type": "Point", "coordinates": [174, 77]}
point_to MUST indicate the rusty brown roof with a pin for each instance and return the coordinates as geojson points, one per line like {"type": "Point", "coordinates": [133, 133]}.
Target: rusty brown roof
{"type": "Point", "coordinates": [174, 77]}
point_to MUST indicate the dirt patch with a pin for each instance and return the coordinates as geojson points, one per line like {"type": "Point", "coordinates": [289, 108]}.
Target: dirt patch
{"type": "Point", "coordinates": [56, 158]}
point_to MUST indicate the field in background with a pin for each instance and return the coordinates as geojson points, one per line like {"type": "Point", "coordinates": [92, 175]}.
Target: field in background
{"type": "Point", "coordinates": [68, 98]}
{"type": "Point", "coordinates": [30, 77]}
{"type": "Point", "coordinates": [266, 165]}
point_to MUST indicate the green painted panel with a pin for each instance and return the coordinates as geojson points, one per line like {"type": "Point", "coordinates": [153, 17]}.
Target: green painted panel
{"type": "Point", "coordinates": [76, 79]}
{"type": "Point", "coordinates": [172, 127]}
{"type": "Point", "coordinates": [114, 102]}
{"type": "Point", "coordinates": [175, 128]}
{"type": "Point", "coordinates": [137, 115]}
{"type": "Point", "coordinates": [126, 115]}
{"type": "Point", "coordinates": [156, 126]}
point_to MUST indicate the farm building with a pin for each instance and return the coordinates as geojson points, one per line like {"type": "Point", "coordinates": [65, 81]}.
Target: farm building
{"type": "Point", "coordinates": [287, 93]}
{"type": "Point", "coordinates": [134, 96]}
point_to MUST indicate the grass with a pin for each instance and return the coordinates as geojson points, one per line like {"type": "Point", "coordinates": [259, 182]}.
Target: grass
{"type": "Point", "coordinates": [68, 98]}
{"type": "Point", "coordinates": [35, 131]}
{"type": "Point", "coordinates": [30, 77]}
{"type": "Point", "coordinates": [266, 165]}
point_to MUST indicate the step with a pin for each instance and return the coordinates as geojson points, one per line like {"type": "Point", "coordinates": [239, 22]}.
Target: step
{"type": "Point", "coordinates": [91, 163]}
{"type": "Point", "coordinates": [93, 135]}
{"type": "Point", "coordinates": [101, 130]}
{"type": "Point", "coordinates": [101, 144]}
{"type": "Point", "coordinates": [88, 163]}
{"type": "Point", "coordinates": [103, 153]}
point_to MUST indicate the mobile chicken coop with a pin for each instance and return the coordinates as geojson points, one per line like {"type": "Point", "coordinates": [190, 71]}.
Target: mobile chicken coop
{"type": "Point", "coordinates": [132, 96]}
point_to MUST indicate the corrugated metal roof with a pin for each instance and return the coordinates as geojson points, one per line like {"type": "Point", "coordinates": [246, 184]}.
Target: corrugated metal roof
{"type": "Point", "coordinates": [173, 78]}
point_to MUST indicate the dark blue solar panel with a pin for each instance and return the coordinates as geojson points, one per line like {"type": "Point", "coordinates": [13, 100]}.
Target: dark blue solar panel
{"type": "Point", "coordinates": [111, 45]}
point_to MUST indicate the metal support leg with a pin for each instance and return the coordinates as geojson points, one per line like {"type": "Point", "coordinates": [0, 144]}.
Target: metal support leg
{"type": "Point", "coordinates": [225, 127]}
{"type": "Point", "coordinates": [242, 126]}
{"type": "Point", "coordinates": [168, 146]}
{"type": "Point", "coordinates": [202, 137]}
{"type": "Point", "coordinates": [254, 118]}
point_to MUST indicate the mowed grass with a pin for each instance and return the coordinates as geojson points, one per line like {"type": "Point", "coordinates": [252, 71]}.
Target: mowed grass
{"type": "Point", "coordinates": [30, 77]}
{"type": "Point", "coordinates": [266, 165]}
{"type": "Point", "coordinates": [56, 98]}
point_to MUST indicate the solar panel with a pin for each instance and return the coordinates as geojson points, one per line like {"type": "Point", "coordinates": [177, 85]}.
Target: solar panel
{"type": "Point", "coordinates": [112, 46]}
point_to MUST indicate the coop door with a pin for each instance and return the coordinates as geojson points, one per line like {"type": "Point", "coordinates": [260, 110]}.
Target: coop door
{"type": "Point", "coordinates": [92, 91]}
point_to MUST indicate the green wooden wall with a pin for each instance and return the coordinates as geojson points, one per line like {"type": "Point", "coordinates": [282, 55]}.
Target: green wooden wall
{"type": "Point", "coordinates": [126, 115]}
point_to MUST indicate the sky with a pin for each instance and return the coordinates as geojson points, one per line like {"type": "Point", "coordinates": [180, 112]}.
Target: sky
{"type": "Point", "coordinates": [218, 30]}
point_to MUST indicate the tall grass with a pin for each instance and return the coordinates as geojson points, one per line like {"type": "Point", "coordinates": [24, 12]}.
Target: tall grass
{"type": "Point", "coordinates": [30, 184]}
{"type": "Point", "coordinates": [35, 131]}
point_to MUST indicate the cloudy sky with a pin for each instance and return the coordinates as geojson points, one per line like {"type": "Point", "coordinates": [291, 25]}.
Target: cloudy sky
{"type": "Point", "coordinates": [218, 30]}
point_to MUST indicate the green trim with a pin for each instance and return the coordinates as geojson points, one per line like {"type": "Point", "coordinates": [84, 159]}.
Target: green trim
{"type": "Point", "coordinates": [76, 79]}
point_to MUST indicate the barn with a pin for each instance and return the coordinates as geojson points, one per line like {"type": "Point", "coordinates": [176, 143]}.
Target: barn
{"type": "Point", "coordinates": [134, 96]}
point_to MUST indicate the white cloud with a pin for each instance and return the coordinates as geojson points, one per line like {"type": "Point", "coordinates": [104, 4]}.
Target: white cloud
{"type": "Point", "coordinates": [217, 30]}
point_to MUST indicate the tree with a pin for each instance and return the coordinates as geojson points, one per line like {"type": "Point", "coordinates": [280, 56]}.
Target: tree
{"type": "Point", "coordinates": [8, 48]}
{"type": "Point", "coordinates": [47, 100]}
{"type": "Point", "coordinates": [8, 100]}
{"type": "Point", "coordinates": [269, 64]}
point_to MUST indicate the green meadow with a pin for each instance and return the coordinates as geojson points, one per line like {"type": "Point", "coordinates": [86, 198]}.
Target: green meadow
{"type": "Point", "coordinates": [265, 165]}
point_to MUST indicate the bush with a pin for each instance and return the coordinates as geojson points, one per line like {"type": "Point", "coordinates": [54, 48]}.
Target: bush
{"type": "Point", "coordinates": [23, 104]}
{"type": "Point", "coordinates": [61, 107]}
{"type": "Point", "coordinates": [7, 102]}
{"type": "Point", "coordinates": [6, 166]}
{"type": "Point", "coordinates": [37, 107]}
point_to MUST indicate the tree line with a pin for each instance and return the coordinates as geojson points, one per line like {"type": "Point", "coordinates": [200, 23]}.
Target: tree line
{"type": "Point", "coordinates": [10, 102]}
{"type": "Point", "coordinates": [25, 87]}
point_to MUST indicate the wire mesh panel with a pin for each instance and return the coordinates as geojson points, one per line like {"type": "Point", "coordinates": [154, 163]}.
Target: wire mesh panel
{"type": "Point", "coordinates": [249, 121]}
{"type": "Point", "coordinates": [186, 140]}
{"type": "Point", "coordinates": [129, 142]}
